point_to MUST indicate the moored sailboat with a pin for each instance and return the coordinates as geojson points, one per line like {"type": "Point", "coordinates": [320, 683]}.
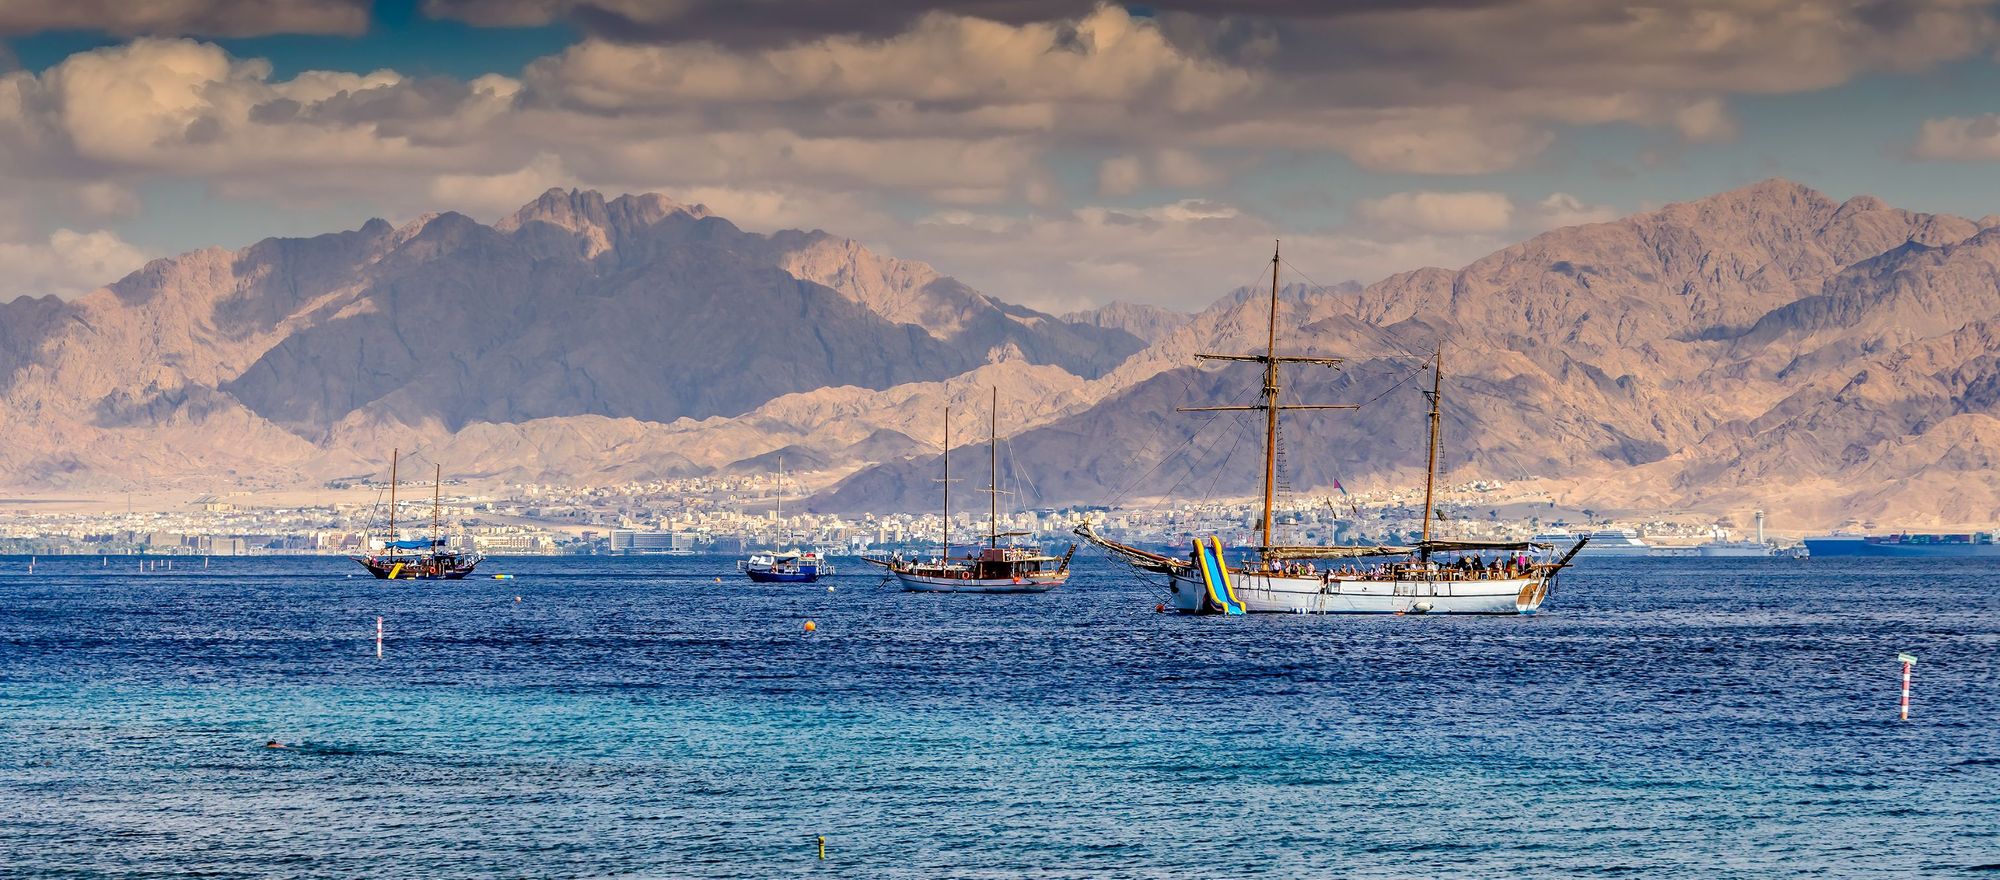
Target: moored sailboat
{"type": "Point", "coordinates": [1379, 579]}
{"type": "Point", "coordinates": [784, 566]}
{"type": "Point", "coordinates": [994, 568]}
{"type": "Point", "coordinates": [417, 560]}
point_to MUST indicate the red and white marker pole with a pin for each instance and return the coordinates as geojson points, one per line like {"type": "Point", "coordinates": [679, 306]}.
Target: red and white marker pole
{"type": "Point", "coordinates": [1909, 663]}
{"type": "Point", "coordinates": [378, 656]}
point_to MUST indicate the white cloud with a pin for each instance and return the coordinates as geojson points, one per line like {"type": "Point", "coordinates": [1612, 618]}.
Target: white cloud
{"type": "Point", "coordinates": [1705, 121]}
{"type": "Point", "coordinates": [1563, 209]}
{"type": "Point", "coordinates": [1184, 169]}
{"type": "Point", "coordinates": [1959, 138]}
{"type": "Point", "coordinates": [493, 194]}
{"type": "Point", "coordinates": [1120, 176]}
{"type": "Point", "coordinates": [1438, 212]}
{"type": "Point", "coordinates": [105, 199]}
{"type": "Point", "coordinates": [1174, 168]}
{"type": "Point", "coordinates": [1106, 56]}
{"type": "Point", "coordinates": [180, 106]}
{"type": "Point", "coordinates": [68, 263]}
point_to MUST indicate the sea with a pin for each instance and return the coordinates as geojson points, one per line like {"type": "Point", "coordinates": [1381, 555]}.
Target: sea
{"type": "Point", "coordinates": [664, 717]}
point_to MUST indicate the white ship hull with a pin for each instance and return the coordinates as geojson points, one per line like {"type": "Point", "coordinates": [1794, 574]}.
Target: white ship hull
{"type": "Point", "coordinates": [1267, 594]}
{"type": "Point", "coordinates": [921, 583]}
{"type": "Point", "coordinates": [1736, 550]}
{"type": "Point", "coordinates": [1628, 550]}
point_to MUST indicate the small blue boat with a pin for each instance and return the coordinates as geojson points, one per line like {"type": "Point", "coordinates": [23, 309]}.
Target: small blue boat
{"type": "Point", "coordinates": [788, 567]}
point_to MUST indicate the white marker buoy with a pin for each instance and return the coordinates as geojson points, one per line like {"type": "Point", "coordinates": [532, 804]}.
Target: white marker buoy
{"type": "Point", "coordinates": [378, 638]}
{"type": "Point", "coordinates": [1908, 662]}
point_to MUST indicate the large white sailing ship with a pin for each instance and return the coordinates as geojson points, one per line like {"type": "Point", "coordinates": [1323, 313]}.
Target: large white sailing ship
{"type": "Point", "coordinates": [1483, 577]}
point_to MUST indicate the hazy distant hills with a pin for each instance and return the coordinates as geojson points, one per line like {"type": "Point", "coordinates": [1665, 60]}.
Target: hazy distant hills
{"type": "Point", "coordinates": [1762, 347]}
{"type": "Point", "coordinates": [308, 352]}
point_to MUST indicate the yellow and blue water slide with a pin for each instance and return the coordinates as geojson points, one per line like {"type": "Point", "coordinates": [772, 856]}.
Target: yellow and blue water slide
{"type": "Point", "coordinates": [1215, 575]}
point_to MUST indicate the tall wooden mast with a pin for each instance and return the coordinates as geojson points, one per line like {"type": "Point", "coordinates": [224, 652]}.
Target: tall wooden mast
{"type": "Point", "coordinates": [1271, 399]}
{"type": "Point", "coordinates": [1270, 406]}
{"type": "Point", "coordinates": [437, 500]}
{"type": "Point", "coordinates": [945, 553]}
{"type": "Point", "coordinates": [1431, 462]}
{"type": "Point", "coordinates": [393, 453]}
{"type": "Point", "coordinates": [993, 479]}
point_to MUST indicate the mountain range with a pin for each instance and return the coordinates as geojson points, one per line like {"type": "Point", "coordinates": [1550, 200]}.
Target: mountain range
{"type": "Point", "coordinates": [1767, 346]}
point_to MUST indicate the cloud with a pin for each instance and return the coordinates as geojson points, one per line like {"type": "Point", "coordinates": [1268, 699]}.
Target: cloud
{"type": "Point", "coordinates": [1959, 139]}
{"type": "Point", "coordinates": [1705, 121]}
{"type": "Point", "coordinates": [1172, 168]}
{"type": "Point", "coordinates": [1180, 253]}
{"type": "Point", "coordinates": [214, 18]}
{"type": "Point", "coordinates": [757, 23]}
{"type": "Point", "coordinates": [494, 194]}
{"type": "Point", "coordinates": [1563, 209]}
{"type": "Point", "coordinates": [105, 199]}
{"type": "Point", "coordinates": [1105, 56]}
{"type": "Point", "coordinates": [180, 106]}
{"type": "Point", "coordinates": [1451, 213]}
{"type": "Point", "coordinates": [1120, 176]}
{"type": "Point", "coordinates": [966, 130]}
{"type": "Point", "coordinates": [68, 263]}
{"type": "Point", "coordinates": [1448, 87]}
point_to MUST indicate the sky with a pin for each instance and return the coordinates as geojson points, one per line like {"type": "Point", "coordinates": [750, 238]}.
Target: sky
{"type": "Point", "coordinates": [1056, 153]}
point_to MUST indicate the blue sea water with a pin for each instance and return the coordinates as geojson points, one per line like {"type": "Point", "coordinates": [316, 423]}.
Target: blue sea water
{"type": "Point", "coordinates": [636, 718]}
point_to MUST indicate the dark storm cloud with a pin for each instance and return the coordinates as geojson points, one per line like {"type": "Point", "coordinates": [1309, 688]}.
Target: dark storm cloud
{"type": "Point", "coordinates": [207, 18]}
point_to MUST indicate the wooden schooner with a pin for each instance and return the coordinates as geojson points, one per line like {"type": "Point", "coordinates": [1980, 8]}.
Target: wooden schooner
{"type": "Point", "coordinates": [993, 568]}
{"type": "Point", "coordinates": [1400, 579]}
{"type": "Point", "coordinates": [418, 560]}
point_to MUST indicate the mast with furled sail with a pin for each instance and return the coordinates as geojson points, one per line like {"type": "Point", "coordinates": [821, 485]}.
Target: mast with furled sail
{"type": "Point", "coordinates": [1431, 459]}
{"type": "Point", "coordinates": [992, 569]}
{"type": "Point", "coordinates": [993, 471]}
{"type": "Point", "coordinates": [944, 549]}
{"type": "Point", "coordinates": [394, 456]}
{"type": "Point", "coordinates": [1485, 577]}
{"type": "Point", "coordinates": [1270, 405]}
{"type": "Point", "coordinates": [437, 505]}
{"type": "Point", "coordinates": [418, 558]}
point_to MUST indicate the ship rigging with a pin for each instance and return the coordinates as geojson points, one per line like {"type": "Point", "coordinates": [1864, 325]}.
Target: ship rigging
{"type": "Point", "coordinates": [1286, 578]}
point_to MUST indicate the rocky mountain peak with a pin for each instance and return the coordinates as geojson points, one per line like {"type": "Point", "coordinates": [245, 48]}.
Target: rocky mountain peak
{"type": "Point", "coordinates": [586, 210]}
{"type": "Point", "coordinates": [1771, 195]}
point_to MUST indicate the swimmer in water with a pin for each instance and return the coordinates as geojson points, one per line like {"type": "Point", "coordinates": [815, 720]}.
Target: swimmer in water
{"type": "Point", "coordinates": [274, 744]}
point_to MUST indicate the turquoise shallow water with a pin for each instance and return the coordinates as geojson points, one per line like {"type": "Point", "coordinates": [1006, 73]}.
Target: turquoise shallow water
{"type": "Point", "coordinates": [633, 718]}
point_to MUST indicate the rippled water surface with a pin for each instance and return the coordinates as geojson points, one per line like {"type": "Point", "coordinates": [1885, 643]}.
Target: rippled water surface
{"type": "Point", "coordinates": [634, 717]}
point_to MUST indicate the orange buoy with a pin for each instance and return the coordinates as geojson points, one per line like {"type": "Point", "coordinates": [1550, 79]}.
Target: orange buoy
{"type": "Point", "coordinates": [1160, 608]}
{"type": "Point", "coordinates": [810, 626]}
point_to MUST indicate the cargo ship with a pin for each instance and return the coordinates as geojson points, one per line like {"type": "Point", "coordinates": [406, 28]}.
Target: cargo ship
{"type": "Point", "coordinates": [1904, 544]}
